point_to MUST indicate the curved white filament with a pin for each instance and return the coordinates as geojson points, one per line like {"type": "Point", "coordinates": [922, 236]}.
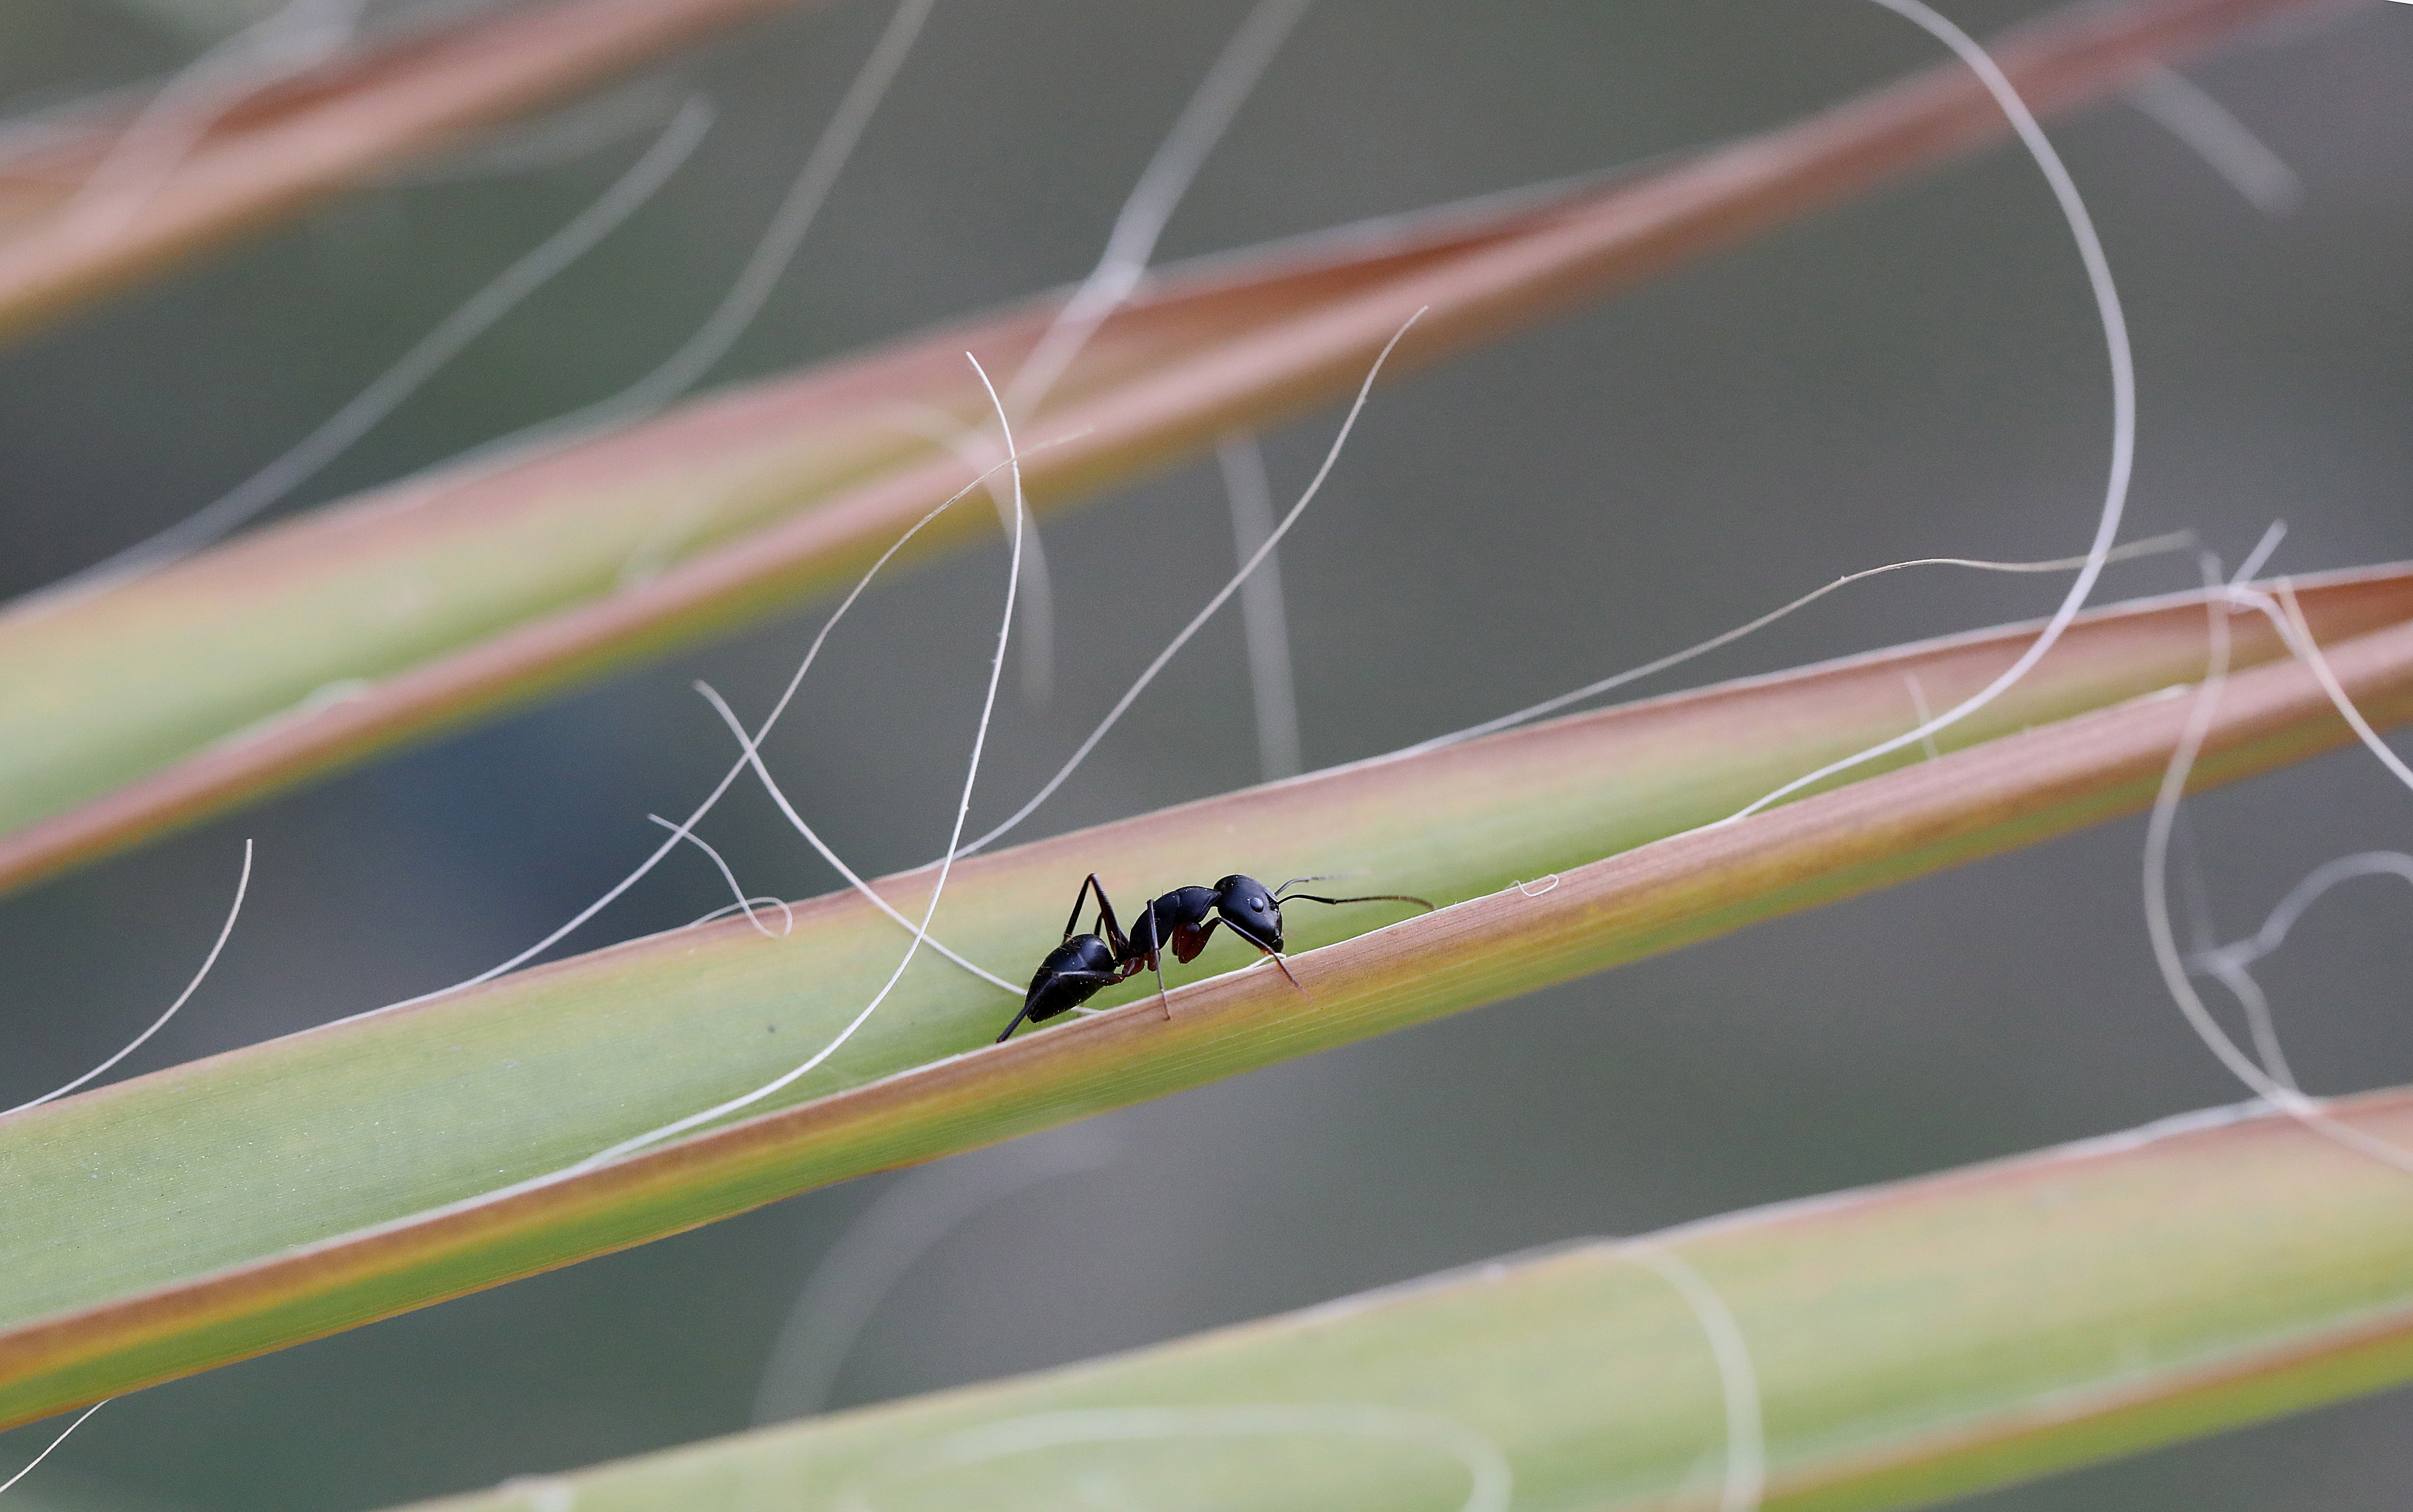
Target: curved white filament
{"type": "Point", "coordinates": [226, 930]}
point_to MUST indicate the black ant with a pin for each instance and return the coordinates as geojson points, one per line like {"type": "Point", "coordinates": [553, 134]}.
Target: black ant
{"type": "Point", "coordinates": [1180, 921]}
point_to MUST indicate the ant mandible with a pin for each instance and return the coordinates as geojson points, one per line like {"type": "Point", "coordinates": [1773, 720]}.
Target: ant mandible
{"type": "Point", "coordinates": [1180, 921]}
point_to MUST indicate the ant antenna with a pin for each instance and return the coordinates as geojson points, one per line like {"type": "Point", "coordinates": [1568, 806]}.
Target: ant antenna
{"type": "Point", "coordinates": [1425, 904]}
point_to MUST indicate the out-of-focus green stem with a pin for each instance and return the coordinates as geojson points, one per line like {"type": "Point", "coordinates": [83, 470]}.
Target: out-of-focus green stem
{"type": "Point", "coordinates": [1905, 1344]}
{"type": "Point", "coordinates": [452, 598]}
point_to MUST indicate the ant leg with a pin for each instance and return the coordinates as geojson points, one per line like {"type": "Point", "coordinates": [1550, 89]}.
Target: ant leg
{"type": "Point", "coordinates": [1160, 1001]}
{"type": "Point", "coordinates": [1273, 956]}
{"type": "Point", "coordinates": [1107, 928]}
{"type": "Point", "coordinates": [1090, 980]}
{"type": "Point", "coordinates": [1312, 897]}
{"type": "Point", "coordinates": [1285, 971]}
{"type": "Point", "coordinates": [1080, 898]}
{"type": "Point", "coordinates": [1281, 965]}
{"type": "Point", "coordinates": [1206, 932]}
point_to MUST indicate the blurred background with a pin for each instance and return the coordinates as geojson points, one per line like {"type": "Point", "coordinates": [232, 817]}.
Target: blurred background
{"type": "Point", "coordinates": [1918, 375]}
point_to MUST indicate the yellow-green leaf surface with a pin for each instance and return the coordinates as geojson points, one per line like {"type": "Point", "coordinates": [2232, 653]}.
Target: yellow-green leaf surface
{"type": "Point", "coordinates": [1905, 1344]}
{"type": "Point", "coordinates": [209, 1211]}
{"type": "Point", "coordinates": [450, 598]}
{"type": "Point", "coordinates": [72, 232]}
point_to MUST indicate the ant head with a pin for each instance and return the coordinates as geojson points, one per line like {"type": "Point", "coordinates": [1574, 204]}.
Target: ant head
{"type": "Point", "coordinates": [1250, 908]}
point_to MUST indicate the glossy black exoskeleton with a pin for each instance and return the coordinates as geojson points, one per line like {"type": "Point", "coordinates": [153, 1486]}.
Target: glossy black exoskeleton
{"type": "Point", "coordinates": [1180, 921]}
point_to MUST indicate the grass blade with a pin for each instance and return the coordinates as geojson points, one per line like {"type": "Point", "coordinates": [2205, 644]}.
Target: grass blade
{"type": "Point", "coordinates": [341, 1174]}
{"type": "Point", "coordinates": [1909, 1343]}
{"type": "Point", "coordinates": [269, 150]}
{"type": "Point", "coordinates": [461, 595]}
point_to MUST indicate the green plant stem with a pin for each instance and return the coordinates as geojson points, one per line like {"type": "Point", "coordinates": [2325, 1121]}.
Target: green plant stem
{"type": "Point", "coordinates": [458, 596]}
{"type": "Point", "coordinates": [351, 1172]}
{"type": "Point", "coordinates": [1905, 1344]}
